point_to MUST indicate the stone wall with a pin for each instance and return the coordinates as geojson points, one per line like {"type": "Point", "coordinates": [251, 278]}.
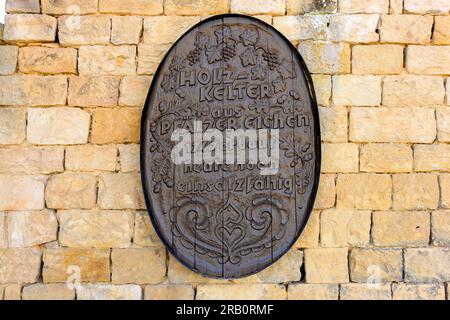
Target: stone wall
{"type": "Point", "coordinates": [74, 77]}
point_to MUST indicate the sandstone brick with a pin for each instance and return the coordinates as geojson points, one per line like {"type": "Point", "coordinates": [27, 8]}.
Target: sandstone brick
{"type": "Point", "coordinates": [326, 57]}
{"type": "Point", "coordinates": [441, 34]}
{"type": "Point", "coordinates": [8, 59]}
{"type": "Point", "coordinates": [351, 90]}
{"type": "Point", "coordinates": [340, 157]}
{"type": "Point", "coordinates": [385, 157]}
{"type": "Point", "coordinates": [30, 228]}
{"type": "Point", "coordinates": [434, 157]}
{"type": "Point", "coordinates": [326, 194]}
{"type": "Point", "coordinates": [364, 6]}
{"type": "Point", "coordinates": [443, 123]}
{"type": "Point", "coordinates": [3, 233]}
{"type": "Point", "coordinates": [406, 29]}
{"type": "Point", "coordinates": [396, 7]}
{"type": "Point", "coordinates": [413, 91]}
{"type": "Point", "coordinates": [272, 7]}
{"type": "Point", "coordinates": [47, 60]}
{"type": "Point", "coordinates": [166, 29]}
{"type": "Point", "coordinates": [310, 235]}
{"type": "Point", "coordinates": [71, 191]}
{"type": "Point", "coordinates": [264, 17]}
{"type": "Point", "coordinates": [425, 6]}
{"type": "Point", "coordinates": [444, 181]}
{"type": "Point", "coordinates": [91, 158]}
{"type": "Point", "coordinates": [304, 291]}
{"type": "Point", "coordinates": [134, 90]}
{"type": "Point", "coordinates": [69, 7]}
{"type": "Point", "coordinates": [141, 7]}
{"type": "Point", "coordinates": [21, 192]}
{"type": "Point", "coordinates": [392, 125]}
{"type": "Point", "coordinates": [99, 229]}
{"type": "Point", "coordinates": [322, 88]}
{"type": "Point", "coordinates": [88, 265]}
{"type": "Point", "coordinates": [376, 265]}
{"type": "Point", "coordinates": [120, 191]}
{"type": "Point", "coordinates": [116, 126]}
{"type": "Point", "coordinates": [240, 292]}
{"type": "Point", "coordinates": [32, 160]}
{"type": "Point", "coordinates": [126, 29]}
{"type": "Point", "coordinates": [355, 28]}
{"type": "Point", "coordinates": [179, 274]}
{"type": "Point", "coordinates": [364, 191]}
{"type": "Point", "coordinates": [30, 90]}
{"type": "Point", "coordinates": [93, 91]}
{"type": "Point", "coordinates": [333, 124]}
{"type": "Point", "coordinates": [395, 228]}
{"type": "Point", "coordinates": [40, 291]}
{"type": "Point", "coordinates": [303, 27]}
{"type": "Point", "coordinates": [343, 228]}
{"type": "Point", "coordinates": [29, 28]}
{"type": "Point", "coordinates": [107, 60]}
{"type": "Point", "coordinates": [199, 7]}
{"type": "Point", "coordinates": [286, 269]}
{"type": "Point", "coordinates": [144, 232]}
{"type": "Point", "coordinates": [415, 191]}
{"type": "Point", "coordinates": [22, 6]}
{"type": "Point", "coordinates": [13, 292]}
{"type": "Point", "coordinates": [109, 292]}
{"type": "Point", "coordinates": [427, 265]}
{"type": "Point", "coordinates": [58, 126]}
{"type": "Point", "coordinates": [84, 30]}
{"type": "Point", "coordinates": [169, 292]}
{"type": "Point", "coordinates": [428, 59]}
{"type": "Point", "coordinates": [296, 7]}
{"type": "Point", "coordinates": [19, 265]}
{"type": "Point", "coordinates": [356, 291]}
{"type": "Point", "coordinates": [326, 265]}
{"type": "Point", "coordinates": [141, 266]}
{"type": "Point", "coordinates": [440, 227]}
{"type": "Point", "coordinates": [12, 125]}
{"type": "Point", "coordinates": [406, 291]}
{"type": "Point", "coordinates": [377, 59]}
{"type": "Point", "coordinates": [149, 57]}
{"type": "Point", "coordinates": [129, 157]}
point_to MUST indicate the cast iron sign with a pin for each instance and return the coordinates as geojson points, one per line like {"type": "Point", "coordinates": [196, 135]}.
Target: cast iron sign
{"type": "Point", "coordinates": [230, 150]}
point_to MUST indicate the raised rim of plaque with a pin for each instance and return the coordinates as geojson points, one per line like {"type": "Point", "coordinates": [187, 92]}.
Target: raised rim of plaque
{"type": "Point", "coordinates": [317, 137]}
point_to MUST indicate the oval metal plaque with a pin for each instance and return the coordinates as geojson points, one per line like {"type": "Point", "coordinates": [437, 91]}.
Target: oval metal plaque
{"type": "Point", "coordinates": [238, 77]}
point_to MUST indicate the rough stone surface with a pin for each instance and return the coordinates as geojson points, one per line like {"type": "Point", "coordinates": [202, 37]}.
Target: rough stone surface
{"type": "Point", "coordinates": [303, 291]}
{"type": "Point", "coordinates": [322, 87]}
{"type": "Point", "coordinates": [29, 28]}
{"type": "Point", "coordinates": [68, 264]}
{"type": "Point", "coordinates": [84, 30]}
{"type": "Point", "coordinates": [364, 191]}
{"type": "Point", "coordinates": [96, 229]}
{"type": "Point", "coordinates": [415, 191]}
{"type": "Point", "coordinates": [20, 265]}
{"type": "Point", "coordinates": [91, 158]}
{"type": "Point", "coordinates": [149, 57]}
{"type": "Point", "coordinates": [142, 7]}
{"type": "Point", "coordinates": [71, 191]}
{"type": "Point", "coordinates": [409, 29]}
{"type": "Point", "coordinates": [134, 90]}
{"type": "Point", "coordinates": [21, 192]}
{"type": "Point", "coordinates": [405, 291]}
{"type": "Point", "coordinates": [129, 155]}
{"type": "Point", "coordinates": [93, 91]}
{"type": "Point", "coordinates": [22, 6]}
{"type": "Point", "coordinates": [8, 59]}
{"type": "Point", "coordinates": [432, 157]}
{"type": "Point", "coordinates": [326, 57]}
{"type": "Point", "coordinates": [297, 28]}
{"type": "Point", "coordinates": [377, 59]}
{"type": "Point", "coordinates": [3, 231]}
{"type": "Point", "coordinates": [141, 266]}
{"type": "Point", "coordinates": [166, 29]}
{"type": "Point", "coordinates": [199, 7]}
{"type": "Point", "coordinates": [115, 126]}
{"type": "Point", "coordinates": [428, 59]}
{"type": "Point", "coordinates": [68, 7]}
{"type": "Point", "coordinates": [386, 157]}
{"type": "Point", "coordinates": [355, 28]}
{"type": "Point", "coordinates": [169, 292]}
{"type": "Point", "coordinates": [107, 60]}
{"type": "Point", "coordinates": [326, 265]}
{"type": "Point", "coordinates": [351, 90]}
{"type": "Point", "coordinates": [144, 232]}
{"type": "Point", "coordinates": [57, 126]}
{"type": "Point", "coordinates": [424, 6]}
{"type": "Point", "coordinates": [370, 125]}
{"type": "Point", "coordinates": [441, 34]}
{"type": "Point", "coordinates": [120, 191]}
{"type": "Point", "coordinates": [12, 125]}
{"type": "Point", "coordinates": [333, 124]}
{"type": "Point", "coordinates": [30, 228]}
{"type": "Point", "coordinates": [310, 235]}
{"type": "Point", "coordinates": [440, 227]}
{"type": "Point", "coordinates": [427, 265]}
{"type": "Point", "coordinates": [364, 6]}
{"type": "Point", "coordinates": [32, 160]}
{"type": "Point", "coordinates": [272, 7]}
{"type": "Point", "coordinates": [442, 116]}
{"type": "Point", "coordinates": [126, 30]}
{"type": "Point", "coordinates": [48, 292]}
{"type": "Point", "coordinates": [241, 292]}
{"type": "Point", "coordinates": [109, 292]}
{"type": "Point", "coordinates": [444, 180]}
{"type": "Point", "coordinates": [340, 157]}
{"type": "Point", "coordinates": [356, 291]}
{"type": "Point", "coordinates": [345, 228]}
{"type": "Point", "coordinates": [375, 265]}
{"type": "Point", "coordinates": [296, 7]}
{"type": "Point", "coordinates": [326, 195]}
{"type": "Point", "coordinates": [47, 60]}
